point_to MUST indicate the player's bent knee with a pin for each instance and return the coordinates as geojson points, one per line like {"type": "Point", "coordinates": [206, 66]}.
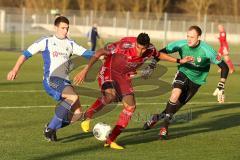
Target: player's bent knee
{"type": "Point", "coordinates": [72, 98]}
{"type": "Point", "coordinates": [175, 95]}
{"type": "Point", "coordinates": [174, 98]}
{"type": "Point", "coordinates": [130, 108]}
{"type": "Point", "coordinates": [109, 98]}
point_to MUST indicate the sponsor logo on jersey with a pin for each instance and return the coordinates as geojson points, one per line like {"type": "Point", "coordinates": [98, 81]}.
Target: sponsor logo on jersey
{"type": "Point", "coordinates": [56, 54]}
{"type": "Point", "coordinates": [199, 59]}
{"type": "Point", "coordinates": [127, 45]}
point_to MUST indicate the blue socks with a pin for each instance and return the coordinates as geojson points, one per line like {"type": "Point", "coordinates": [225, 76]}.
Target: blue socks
{"type": "Point", "coordinates": [60, 118]}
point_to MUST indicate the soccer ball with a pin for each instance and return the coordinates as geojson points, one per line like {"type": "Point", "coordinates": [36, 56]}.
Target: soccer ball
{"type": "Point", "coordinates": [101, 131]}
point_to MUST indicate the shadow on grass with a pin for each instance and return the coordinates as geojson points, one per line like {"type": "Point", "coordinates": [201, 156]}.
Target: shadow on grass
{"type": "Point", "coordinates": [220, 122]}
{"type": "Point", "coordinates": [75, 137]}
{"type": "Point", "coordinates": [68, 153]}
{"type": "Point", "coordinates": [139, 136]}
{"type": "Point", "coordinates": [224, 122]}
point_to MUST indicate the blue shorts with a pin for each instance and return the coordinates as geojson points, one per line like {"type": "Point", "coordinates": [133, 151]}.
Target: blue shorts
{"type": "Point", "coordinates": [54, 86]}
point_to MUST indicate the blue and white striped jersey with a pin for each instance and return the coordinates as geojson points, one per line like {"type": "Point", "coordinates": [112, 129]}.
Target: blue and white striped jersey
{"type": "Point", "coordinates": [56, 55]}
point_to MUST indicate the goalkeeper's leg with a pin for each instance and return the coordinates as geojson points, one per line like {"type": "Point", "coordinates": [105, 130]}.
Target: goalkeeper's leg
{"type": "Point", "coordinates": [173, 107]}
{"type": "Point", "coordinates": [183, 91]}
{"type": "Point", "coordinates": [170, 107]}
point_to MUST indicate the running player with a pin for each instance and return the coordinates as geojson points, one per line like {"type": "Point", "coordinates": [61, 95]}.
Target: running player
{"type": "Point", "coordinates": [190, 76]}
{"type": "Point", "coordinates": [56, 52]}
{"type": "Point", "coordinates": [121, 60]}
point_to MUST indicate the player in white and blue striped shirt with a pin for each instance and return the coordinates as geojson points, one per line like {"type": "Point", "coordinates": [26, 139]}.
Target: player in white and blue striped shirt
{"type": "Point", "coordinates": [56, 52]}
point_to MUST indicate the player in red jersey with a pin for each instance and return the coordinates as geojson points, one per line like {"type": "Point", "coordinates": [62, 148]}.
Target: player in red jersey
{"type": "Point", "coordinates": [224, 48]}
{"type": "Point", "coordinates": [122, 58]}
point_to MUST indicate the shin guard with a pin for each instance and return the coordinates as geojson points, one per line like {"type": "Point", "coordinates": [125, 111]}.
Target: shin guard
{"type": "Point", "coordinates": [61, 116]}
{"type": "Point", "coordinates": [123, 120]}
{"type": "Point", "coordinates": [95, 107]}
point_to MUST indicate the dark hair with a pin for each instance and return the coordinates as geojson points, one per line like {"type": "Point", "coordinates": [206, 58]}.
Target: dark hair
{"type": "Point", "coordinates": [60, 19]}
{"type": "Point", "coordinates": [197, 29]}
{"type": "Point", "coordinates": [143, 39]}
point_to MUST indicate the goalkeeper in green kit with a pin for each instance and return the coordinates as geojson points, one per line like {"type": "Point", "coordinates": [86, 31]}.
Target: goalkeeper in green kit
{"type": "Point", "coordinates": [189, 77]}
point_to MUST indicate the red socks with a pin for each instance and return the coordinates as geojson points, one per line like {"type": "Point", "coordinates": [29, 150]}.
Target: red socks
{"type": "Point", "coordinates": [123, 120]}
{"type": "Point", "coordinates": [96, 106]}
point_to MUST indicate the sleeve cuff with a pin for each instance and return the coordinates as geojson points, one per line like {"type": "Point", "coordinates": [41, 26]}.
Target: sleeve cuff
{"type": "Point", "coordinates": [27, 54]}
{"type": "Point", "coordinates": [88, 54]}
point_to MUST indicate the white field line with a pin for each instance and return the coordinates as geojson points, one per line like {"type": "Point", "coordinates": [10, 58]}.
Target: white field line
{"type": "Point", "coordinates": [139, 104]}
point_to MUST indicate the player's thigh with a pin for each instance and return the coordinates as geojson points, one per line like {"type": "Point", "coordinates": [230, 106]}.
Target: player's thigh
{"type": "Point", "coordinates": [110, 95]}
{"type": "Point", "coordinates": [68, 93]}
{"type": "Point", "coordinates": [109, 92]}
{"type": "Point", "coordinates": [129, 101]}
{"type": "Point", "coordinates": [54, 86]}
{"type": "Point", "coordinates": [176, 92]}
{"type": "Point", "coordinates": [179, 85]}
{"type": "Point", "coordinates": [123, 86]}
{"type": "Point", "coordinates": [189, 93]}
{"type": "Point", "coordinates": [225, 51]}
{"type": "Point", "coordinates": [226, 58]}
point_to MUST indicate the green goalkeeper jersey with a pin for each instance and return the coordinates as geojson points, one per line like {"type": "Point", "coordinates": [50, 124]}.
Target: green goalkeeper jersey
{"type": "Point", "coordinates": [204, 55]}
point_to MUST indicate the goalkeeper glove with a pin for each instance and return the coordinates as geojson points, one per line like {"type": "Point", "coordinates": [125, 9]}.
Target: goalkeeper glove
{"type": "Point", "coordinates": [147, 72]}
{"type": "Point", "coordinates": [219, 92]}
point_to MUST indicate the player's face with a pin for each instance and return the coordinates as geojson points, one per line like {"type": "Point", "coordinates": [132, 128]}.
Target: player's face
{"type": "Point", "coordinates": [62, 30]}
{"type": "Point", "coordinates": [220, 28]}
{"type": "Point", "coordinates": [140, 49]}
{"type": "Point", "coordinates": [192, 38]}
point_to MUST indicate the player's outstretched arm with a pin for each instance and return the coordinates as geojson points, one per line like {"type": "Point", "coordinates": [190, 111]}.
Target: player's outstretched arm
{"type": "Point", "coordinates": [79, 78]}
{"type": "Point", "coordinates": [147, 72]}
{"type": "Point", "coordinates": [13, 73]}
{"type": "Point", "coordinates": [166, 57]}
{"type": "Point", "coordinates": [219, 91]}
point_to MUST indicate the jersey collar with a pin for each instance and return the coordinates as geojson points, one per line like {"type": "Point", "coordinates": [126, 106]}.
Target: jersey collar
{"type": "Point", "coordinates": [197, 44]}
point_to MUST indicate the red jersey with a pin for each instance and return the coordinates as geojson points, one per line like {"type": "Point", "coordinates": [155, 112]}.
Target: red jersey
{"type": "Point", "coordinates": [223, 39]}
{"type": "Point", "coordinates": [121, 62]}
{"type": "Point", "coordinates": [123, 58]}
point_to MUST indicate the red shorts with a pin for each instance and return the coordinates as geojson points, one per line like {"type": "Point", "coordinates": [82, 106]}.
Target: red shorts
{"type": "Point", "coordinates": [121, 83]}
{"type": "Point", "coordinates": [223, 51]}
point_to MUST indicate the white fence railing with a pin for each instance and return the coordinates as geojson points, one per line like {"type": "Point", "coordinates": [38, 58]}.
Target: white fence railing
{"type": "Point", "coordinates": [113, 24]}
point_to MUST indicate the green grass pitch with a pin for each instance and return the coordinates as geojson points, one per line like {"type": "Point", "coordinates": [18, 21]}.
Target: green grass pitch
{"type": "Point", "coordinates": [210, 133]}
